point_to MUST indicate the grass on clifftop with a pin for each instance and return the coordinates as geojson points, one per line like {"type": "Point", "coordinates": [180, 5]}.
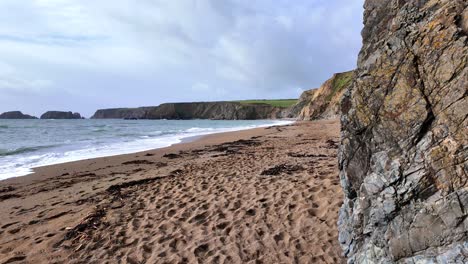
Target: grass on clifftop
{"type": "Point", "coordinates": [341, 81]}
{"type": "Point", "coordinates": [284, 103]}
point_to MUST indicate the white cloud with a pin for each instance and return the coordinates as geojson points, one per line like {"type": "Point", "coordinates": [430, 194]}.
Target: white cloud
{"type": "Point", "coordinates": [160, 48]}
{"type": "Point", "coordinates": [11, 80]}
{"type": "Point", "coordinates": [23, 85]}
{"type": "Point", "coordinates": [285, 21]}
{"type": "Point", "coordinates": [201, 87]}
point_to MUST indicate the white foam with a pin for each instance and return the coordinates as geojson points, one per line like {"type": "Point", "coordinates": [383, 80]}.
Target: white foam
{"type": "Point", "coordinates": [14, 166]}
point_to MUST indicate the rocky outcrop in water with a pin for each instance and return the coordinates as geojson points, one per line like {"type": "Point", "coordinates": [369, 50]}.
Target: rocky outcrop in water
{"type": "Point", "coordinates": [323, 103]}
{"type": "Point", "coordinates": [16, 115]}
{"type": "Point", "coordinates": [60, 115]}
{"type": "Point", "coordinates": [404, 153]}
{"type": "Point", "coordinates": [202, 110]}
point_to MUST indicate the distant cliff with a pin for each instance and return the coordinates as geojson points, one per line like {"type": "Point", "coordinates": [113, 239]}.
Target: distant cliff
{"type": "Point", "coordinates": [121, 113]}
{"type": "Point", "coordinates": [201, 110]}
{"type": "Point", "coordinates": [16, 115]}
{"type": "Point", "coordinates": [60, 115]}
{"type": "Point", "coordinates": [404, 147]}
{"type": "Point", "coordinates": [323, 103]}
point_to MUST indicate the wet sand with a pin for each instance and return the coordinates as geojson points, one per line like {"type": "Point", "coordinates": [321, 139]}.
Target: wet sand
{"type": "Point", "coordinates": [256, 196]}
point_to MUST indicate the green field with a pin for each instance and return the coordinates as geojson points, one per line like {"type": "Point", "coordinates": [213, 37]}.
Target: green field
{"type": "Point", "coordinates": [278, 103]}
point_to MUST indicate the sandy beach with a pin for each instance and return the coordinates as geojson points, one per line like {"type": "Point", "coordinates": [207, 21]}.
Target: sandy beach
{"type": "Point", "coordinates": [266, 195]}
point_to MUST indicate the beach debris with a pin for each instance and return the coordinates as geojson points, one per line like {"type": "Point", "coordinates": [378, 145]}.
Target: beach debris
{"type": "Point", "coordinates": [246, 142]}
{"type": "Point", "coordinates": [145, 162]}
{"type": "Point", "coordinates": [283, 168]}
{"type": "Point", "coordinates": [138, 162]}
{"type": "Point", "coordinates": [297, 155]}
{"type": "Point", "coordinates": [81, 246]}
{"type": "Point", "coordinates": [172, 156]}
{"type": "Point", "coordinates": [331, 144]}
{"type": "Point", "coordinates": [8, 196]}
{"type": "Point", "coordinates": [135, 171]}
{"type": "Point", "coordinates": [6, 189]}
{"type": "Point", "coordinates": [278, 128]}
{"type": "Point", "coordinates": [86, 174]}
{"type": "Point", "coordinates": [115, 189]}
{"type": "Point", "coordinates": [91, 221]}
{"type": "Point", "coordinates": [235, 146]}
{"type": "Point", "coordinates": [177, 172]}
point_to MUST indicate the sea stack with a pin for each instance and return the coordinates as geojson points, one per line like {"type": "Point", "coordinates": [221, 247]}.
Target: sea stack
{"type": "Point", "coordinates": [60, 115]}
{"type": "Point", "coordinates": [403, 158]}
{"type": "Point", "coordinates": [16, 115]}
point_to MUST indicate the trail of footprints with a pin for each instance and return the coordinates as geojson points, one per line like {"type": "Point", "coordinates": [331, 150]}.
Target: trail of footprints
{"type": "Point", "coordinates": [227, 215]}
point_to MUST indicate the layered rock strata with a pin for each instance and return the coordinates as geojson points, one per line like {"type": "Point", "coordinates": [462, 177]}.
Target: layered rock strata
{"type": "Point", "coordinates": [324, 102]}
{"type": "Point", "coordinates": [404, 152]}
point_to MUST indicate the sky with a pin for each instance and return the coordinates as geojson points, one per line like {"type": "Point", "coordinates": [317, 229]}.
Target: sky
{"type": "Point", "coordinates": [83, 55]}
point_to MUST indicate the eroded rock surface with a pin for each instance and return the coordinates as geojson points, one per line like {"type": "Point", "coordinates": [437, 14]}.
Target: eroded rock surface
{"type": "Point", "coordinates": [404, 152]}
{"type": "Point", "coordinates": [324, 102]}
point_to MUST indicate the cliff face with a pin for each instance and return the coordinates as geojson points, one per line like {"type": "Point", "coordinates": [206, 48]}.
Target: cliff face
{"type": "Point", "coordinates": [204, 110]}
{"type": "Point", "coordinates": [16, 115]}
{"type": "Point", "coordinates": [323, 103]}
{"type": "Point", "coordinates": [60, 115]}
{"type": "Point", "coordinates": [121, 113]}
{"type": "Point", "coordinates": [404, 153]}
{"type": "Point", "coordinates": [215, 110]}
{"type": "Point", "coordinates": [304, 101]}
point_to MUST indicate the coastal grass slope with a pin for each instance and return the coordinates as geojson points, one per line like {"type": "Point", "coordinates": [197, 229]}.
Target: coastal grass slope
{"type": "Point", "coordinates": [283, 103]}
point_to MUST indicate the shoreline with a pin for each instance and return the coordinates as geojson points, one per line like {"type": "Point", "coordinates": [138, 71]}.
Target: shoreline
{"type": "Point", "coordinates": [181, 139]}
{"type": "Point", "coordinates": [268, 193]}
{"type": "Point", "coordinates": [187, 143]}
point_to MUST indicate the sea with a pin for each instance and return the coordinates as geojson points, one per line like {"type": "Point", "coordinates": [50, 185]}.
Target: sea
{"type": "Point", "coordinates": [27, 144]}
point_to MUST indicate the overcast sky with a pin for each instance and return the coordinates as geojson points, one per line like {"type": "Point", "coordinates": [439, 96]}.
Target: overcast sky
{"type": "Point", "coordinates": [81, 55]}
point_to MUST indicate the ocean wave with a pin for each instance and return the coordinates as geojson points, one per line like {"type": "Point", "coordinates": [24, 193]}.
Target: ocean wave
{"type": "Point", "coordinates": [101, 130]}
{"type": "Point", "coordinates": [127, 135]}
{"type": "Point", "coordinates": [9, 152]}
{"type": "Point", "coordinates": [199, 129]}
{"type": "Point", "coordinates": [13, 165]}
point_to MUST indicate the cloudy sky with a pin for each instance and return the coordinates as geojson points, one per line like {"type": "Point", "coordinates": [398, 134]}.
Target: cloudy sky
{"type": "Point", "coordinates": [81, 55]}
